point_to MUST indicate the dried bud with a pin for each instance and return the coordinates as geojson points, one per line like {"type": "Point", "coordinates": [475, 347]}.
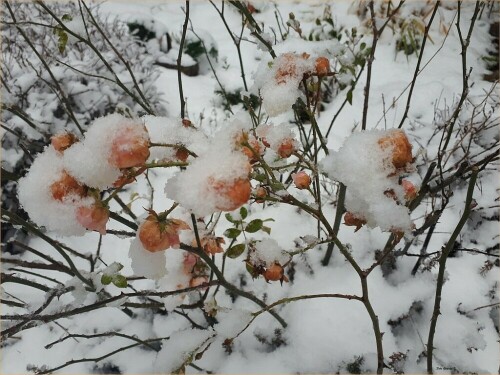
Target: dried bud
{"type": "Point", "coordinates": [211, 244]}
{"type": "Point", "coordinates": [286, 148]}
{"type": "Point", "coordinates": [181, 154]}
{"type": "Point", "coordinates": [401, 148]}
{"type": "Point", "coordinates": [67, 186]}
{"type": "Point", "coordinates": [301, 180]}
{"type": "Point", "coordinates": [354, 221]}
{"type": "Point", "coordinates": [93, 217]}
{"type": "Point", "coordinates": [235, 193]}
{"type": "Point", "coordinates": [322, 66]}
{"type": "Point", "coordinates": [130, 148]}
{"type": "Point", "coordinates": [275, 273]}
{"type": "Point", "coordinates": [61, 142]}
{"type": "Point", "coordinates": [410, 190]}
{"type": "Point", "coordinates": [157, 236]}
{"type": "Point", "coordinates": [260, 193]}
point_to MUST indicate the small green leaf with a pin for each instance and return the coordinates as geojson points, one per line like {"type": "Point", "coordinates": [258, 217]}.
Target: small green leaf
{"type": "Point", "coordinates": [106, 279]}
{"type": "Point", "coordinates": [66, 17]}
{"type": "Point", "coordinates": [254, 226]}
{"type": "Point", "coordinates": [120, 281]}
{"type": "Point", "coordinates": [260, 177]}
{"type": "Point", "coordinates": [63, 40]}
{"type": "Point", "coordinates": [349, 96]}
{"type": "Point", "coordinates": [243, 213]}
{"type": "Point", "coordinates": [251, 270]}
{"type": "Point", "coordinates": [362, 46]}
{"type": "Point", "coordinates": [266, 229]}
{"type": "Point", "coordinates": [232, 233]}
{"type": "Point", "coordinates": [229, 218]}
{"type": "Point", "coordinates": [235, 251]}
{"type": "Point", "coordinates": [277, 186]}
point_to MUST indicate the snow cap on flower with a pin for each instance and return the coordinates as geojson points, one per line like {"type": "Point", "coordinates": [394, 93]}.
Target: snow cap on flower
{"type": "Point", "coordinates": [365, 165]}
{"type": "Point", "coordinates": [267, 252]}
{"type": "Point", "coordinates": [217, 179]}
{"type": "Point", "coordinates": [278, 81]}
{"type": "Point", "coordinates": [37, 198]}
{"type": "Point", "coordinates": [166, 130]}
{"type": "Point", "coordinates": [94, 160]}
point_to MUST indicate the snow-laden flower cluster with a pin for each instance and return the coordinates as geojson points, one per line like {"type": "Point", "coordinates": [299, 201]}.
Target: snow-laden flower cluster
{"type": "Point", "coordinates": [371, 165]}
{"type": "Point", "coordinates": [61, 189]}
{"type": "Point", "coordinates": [112, 143]}
{"type": "Point", "coordinates": [218, 179]}
{"type": "Point", "coordinates": [50, 196]}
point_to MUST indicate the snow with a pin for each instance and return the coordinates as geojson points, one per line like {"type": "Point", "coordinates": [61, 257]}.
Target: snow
{"type": "Point", "coordinates": [365, 168]}
{"type": "Point", "coordinates": [36, 197]}
{"type": "Point", "coordinates": [278, 81]}
{"type": "Point", "coordinates": [146, 263]}
{"type": "Point", "coordinates": [267, 252]}
{"type": "Point", "coordinates": [90, 161]}
{"type": "Point", "coordinates": [179, 348]}
{"type": "Point", "coordinates": [324, 335]}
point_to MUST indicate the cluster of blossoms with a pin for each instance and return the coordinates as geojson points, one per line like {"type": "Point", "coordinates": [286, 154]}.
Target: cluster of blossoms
{"type": "Point", "coordinates": [65, 186]}
{"type": "Point", "coordinates": [374, 166]}
{"type": "Point", "coordinates": [62, 190]}
{"type": "Point", "coordinates": [69, 185]}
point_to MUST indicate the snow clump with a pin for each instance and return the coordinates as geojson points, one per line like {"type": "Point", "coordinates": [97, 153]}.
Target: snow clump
{"type": "Point", "coordinates": [218, 179]}
{"type": "Point", "coordinates": [267, 252]}
{"type": "Point", "coordinates": [369, 165]}
{"type": "Point", "coordinates": [164, 130]}
{"type": "Point", "coordinates": [146, 263]}
{"type": "Point", "coordinates": [93, 160]}
{"type": "Point", "coordinates": [278, 81]}
{"type": "Point", "coordinates": [49, 203]}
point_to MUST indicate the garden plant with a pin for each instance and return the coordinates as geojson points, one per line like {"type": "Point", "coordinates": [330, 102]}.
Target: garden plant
{"type": "Point", "coordinates": [230, 186]}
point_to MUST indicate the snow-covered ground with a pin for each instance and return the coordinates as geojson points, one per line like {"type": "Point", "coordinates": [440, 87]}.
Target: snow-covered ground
{"type": "Point", "coordinates": [323, 335]}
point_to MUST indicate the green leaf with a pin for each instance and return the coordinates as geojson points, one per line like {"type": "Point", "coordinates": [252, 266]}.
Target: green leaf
{"type": "Point", "coordinates": [254, 226]}
{"type": "Point", "coordinates": [260, 177]}
{"type": "Point", "coordinates": [106, 279]}
{"type": "Point", "coordinates": [266, 229]}
{"type": "Point", "coordinates": [232, 233]}
{"type": "Point", "coordinates": [362, 46]}
{"type": "Point", "coordinates": [229, 218]}
{"type": "Point", "coordinates": [63, 40]}
{"type": "Point", "coordinates": [66, 17]}
{"type": "Point", "coordinates": [251, 270]}
{"type": "Point", "coordinates": [349, 96]}
{"type": "Point", "coordinates": [235, 251]}
{"type": "Point", "coordinates": [277, 186]}
{"type": "Point", "coordinates": [120, 281]}
{"type": "Point", "coordinates": [243, 213]}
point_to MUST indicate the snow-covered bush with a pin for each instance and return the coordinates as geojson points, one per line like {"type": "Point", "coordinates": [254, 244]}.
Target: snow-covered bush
{"type": "Point", "coordinates": [65, 84]}
{"type": "Point", "coordinates": [206, 238]}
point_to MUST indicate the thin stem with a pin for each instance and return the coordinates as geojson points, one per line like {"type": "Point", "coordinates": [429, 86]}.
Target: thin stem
{"type": "Point", "coordinates": [13, 218]}
{"type": "Point", "coordinates": [336, 224]}
{"type": "Point", "coordinates": [179, 60]}
{"type": "Point", "coordinates": [442, 265]}
{"type": "Point", "coordinates": [417, 68]}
